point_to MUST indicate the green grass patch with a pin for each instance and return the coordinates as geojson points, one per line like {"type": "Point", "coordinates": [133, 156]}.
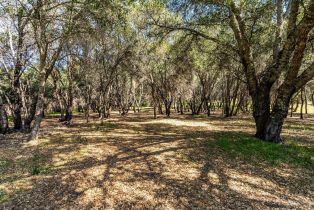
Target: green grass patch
{"type": "Point", "coordinates": [3, 196]}
{"type": "Point", "coordinates": [299, 127]}
{"type": "Point", "coordinates": [253, 149]}
{"type": "Point", "coordinates": [4, 164]}
{"type": "Point", "coordinates": [106, 125]}
{"type": "Point", "coordinates": [52, 114]}
{"type": "Point", "coordinates": [34, 165]}
{"type": "Point", "coordinates": [37, 165]}
{"type": "Point", "coordinates": [58, 114]}
{"type": "Point", "coordinates": [199, 116]}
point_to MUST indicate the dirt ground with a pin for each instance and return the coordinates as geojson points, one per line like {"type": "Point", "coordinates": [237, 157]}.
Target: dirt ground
{"type": "Point", "coordinates": [136, 162]}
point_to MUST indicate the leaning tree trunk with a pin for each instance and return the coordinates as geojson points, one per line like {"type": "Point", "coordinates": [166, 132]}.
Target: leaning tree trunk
{"type": "Point", "coordinates": [276, 120]}
{"type": "Point", "coordinates": [295, 109]}
{"type": "Point", "coordinates": [4, 124]}
{"type": "Point", "coordinates": [291, 109]}
{"type": "Point", "coordinates": [39, 107]}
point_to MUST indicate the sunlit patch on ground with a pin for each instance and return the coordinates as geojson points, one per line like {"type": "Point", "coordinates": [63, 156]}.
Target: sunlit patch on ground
{"type": "Point", "coordinates": [143, 163]}
{"type": "Point", "coordinates": [213, 177]}
{"type": "Point", "coordinates": [179, 122]}
{"type": "Point", "coordinates": [253, 187]}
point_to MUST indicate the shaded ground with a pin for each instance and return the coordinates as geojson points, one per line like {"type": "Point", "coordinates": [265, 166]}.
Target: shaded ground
{"type": "Point", "coordinates": [140, 163]}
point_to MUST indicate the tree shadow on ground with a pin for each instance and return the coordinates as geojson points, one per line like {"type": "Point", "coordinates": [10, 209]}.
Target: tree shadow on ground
{"type": "Point", "coordinates": [140, 163]}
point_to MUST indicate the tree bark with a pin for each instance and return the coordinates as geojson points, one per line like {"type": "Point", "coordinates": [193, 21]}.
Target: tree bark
{"type": "Point", "coordinates": [69, 104]}
{"type": "Point", "coordinates": [4, 124]}
{"type": "Point", "coordinates": [208, 105]}
{"type": "Point", "coordinates": [160, 111]}
{"type": "Point", "coordinates": [276, 119]}
{"type": "Point", "coordinates": [31, 114]}
{"type": "Point", "coordinates": [261, 112]}
{"type": "Point", "coordinates": [17, 99]}
{"type": "Point", "coordinates": [17, 105]}
{"type": "Point", "coordinates": [297, 105]}
{"type": "Point", "coordinates": [168, 108]}
{"type": "Point", "coordinates": [291, 109]}
{"type": "Point", "coordinates": [302, 103]}
{"type": "Point", "coordinates": [39, 106]}
{"type": "Point", "coordinates": [181, 105]}
{"type": "Point", "coordinates": [305, 102]}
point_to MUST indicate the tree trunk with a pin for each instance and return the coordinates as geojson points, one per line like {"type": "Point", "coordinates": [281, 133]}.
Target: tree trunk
{"type": "Point", "coordinates": [227, 97]}
{"type": "Point", "coordinates": [17, 105]}
{"type": "Point", "coordinates": [199, 107]}
{"type": "Point", "coordinates": [62, 117]}
{"type": "Point", "coordinates": [261, 112]}
{"type": "Point", "coordinates": [180, 105]}
{"type": "Point", "coordinates": [302, 104]}
{"type": "Point", "coordinates": [154, 99]}
{"type": "Point", "coordinates": [17, 118]}
{"type": "Point", "coordinates": [4, 124]}
{"type": "Point", "coordinates": [208, 105]}
{"type": "Point", "coordinates": [39, 107]}
{"type": "Point", "coordinates": [234, 100]}
{"type": "Point", "coordinates": [269, 124]}
{"type": "Point", "coordinates": [168, 108]}
{"type": "Point", "coordinates": [238, 106]}
{"type": "Point", "coordinates": [134, 108]}
{"type": "Point", "coordinates": [297, 105]}
{"type": "Point", "coordinates": [31, 114]}
{"type": "Point", "coordinates": [305, 100]}
{"type": "Point", "coordinates": [69, 105]}
{"type": "Point", "coordinates": [155, 111]}
{"type": "Point", "coordinates": [276, 120]}
{"type": "Point", "coordinates": [86, 113]}
{"type": "Point", "coordinates": [68, 114]}
{"type": "Point", "coordinates": [160, 108]}
{"type": "Point", "coordinates": [291, 109]}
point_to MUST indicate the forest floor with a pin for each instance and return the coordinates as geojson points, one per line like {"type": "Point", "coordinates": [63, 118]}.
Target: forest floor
{"type": "Point", "coordinates": [136, 162]}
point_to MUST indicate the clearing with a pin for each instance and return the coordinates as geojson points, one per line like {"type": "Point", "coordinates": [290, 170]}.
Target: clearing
{"type": "Point", "coordinates": [136, 162]}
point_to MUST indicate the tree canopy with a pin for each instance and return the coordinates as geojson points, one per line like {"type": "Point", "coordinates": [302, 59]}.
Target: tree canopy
{"type": "Point", "coordinates": [191, 55]}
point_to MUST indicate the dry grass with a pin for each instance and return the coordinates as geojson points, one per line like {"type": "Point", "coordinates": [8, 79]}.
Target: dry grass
{"type": "Point", "coordinates": [136, 162]}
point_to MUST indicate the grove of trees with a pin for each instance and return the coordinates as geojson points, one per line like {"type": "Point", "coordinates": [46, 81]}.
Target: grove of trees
{"type": "Point", "coordinates": [187, 56]}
